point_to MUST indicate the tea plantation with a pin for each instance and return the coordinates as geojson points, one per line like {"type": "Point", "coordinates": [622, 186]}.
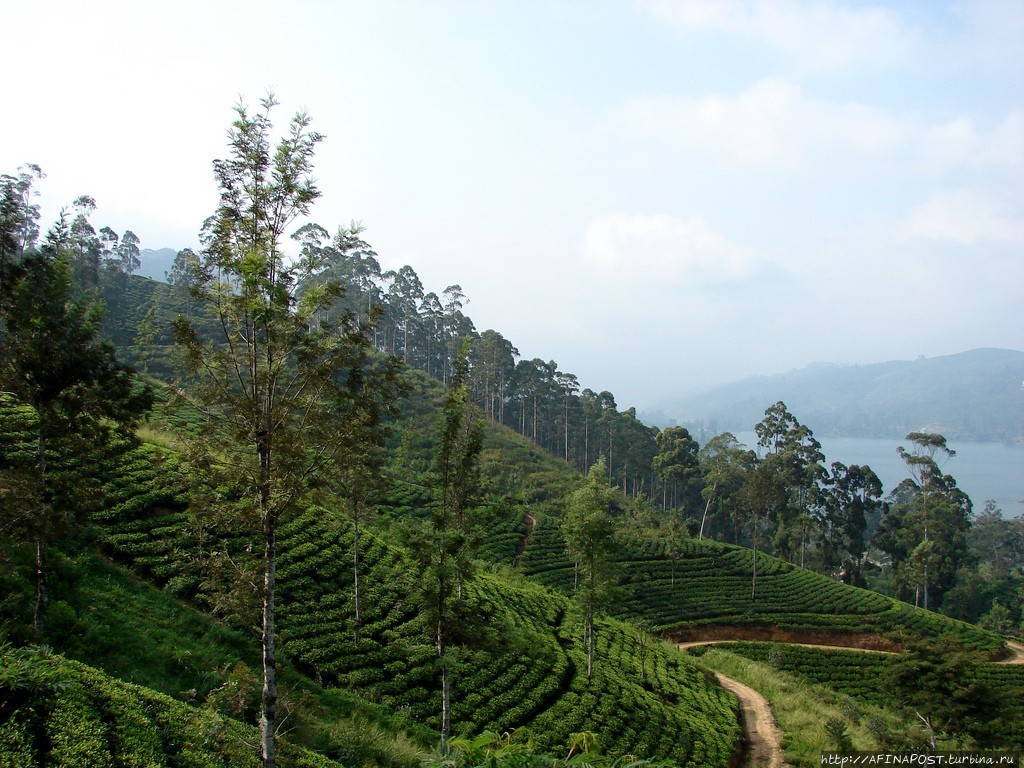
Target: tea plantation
{"type": "Point", "coordinates": [522, 667]}
{"type": "Point", "coordinates": [709, 586]}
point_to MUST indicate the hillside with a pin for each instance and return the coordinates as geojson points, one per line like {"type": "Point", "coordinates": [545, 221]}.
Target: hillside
{"type": "Point", "coordinates": [976, 395]}
{"type": "Point", "coordinates": [148, 588]}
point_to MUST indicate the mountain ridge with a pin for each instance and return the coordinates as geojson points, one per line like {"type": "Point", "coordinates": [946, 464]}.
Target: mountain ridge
{"type": "Point", "coordinates": [977, 395]}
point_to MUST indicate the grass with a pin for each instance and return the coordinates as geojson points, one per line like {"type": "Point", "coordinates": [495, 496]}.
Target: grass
{"type": "Point", "coordinates": [810, 716]}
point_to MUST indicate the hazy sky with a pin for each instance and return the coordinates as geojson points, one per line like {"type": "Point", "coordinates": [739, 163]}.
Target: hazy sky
{"type": "Point", "coordinates": [658, 195]}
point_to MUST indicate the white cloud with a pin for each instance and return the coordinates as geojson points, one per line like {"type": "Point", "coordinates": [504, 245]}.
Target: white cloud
{"type": "Point", "coordinates": [659, 249]}
{"type": "Point", "coordinates": [966, 216]}
{"type": "Point", "coordinates": [818, 35]}
{"type": "Point", "coordinates": [773, 123]}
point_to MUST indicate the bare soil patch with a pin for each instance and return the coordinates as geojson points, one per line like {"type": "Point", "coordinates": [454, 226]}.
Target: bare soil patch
{"type": "Point", "coordinates": [761, 736]}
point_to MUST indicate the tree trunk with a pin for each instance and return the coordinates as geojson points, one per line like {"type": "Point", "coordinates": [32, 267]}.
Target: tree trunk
{"type": "Point", "coordinates": [446, 706]}
{"type": "Point", "coordinates": [590, 625]}
{"type": "Point", "coordinates": [753, 578]}
{"type": "Point", "coordinates": [268, 715]}
{"type": "Point", "coordinates": [700, 536]}
{"type": "Point", "coordinates": [355, 571]}
{"type": "Point", "coordinates": [42, 522]}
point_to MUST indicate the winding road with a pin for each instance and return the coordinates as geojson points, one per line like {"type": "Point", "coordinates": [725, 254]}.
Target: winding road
{"type": "Point", "coordinates": [761, 735]}
{"type": "Point", "coordinates": [762, 747]}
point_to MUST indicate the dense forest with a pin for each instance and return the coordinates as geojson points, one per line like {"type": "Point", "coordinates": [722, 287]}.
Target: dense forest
{"type": "Point", "coordinates": [374, 518]}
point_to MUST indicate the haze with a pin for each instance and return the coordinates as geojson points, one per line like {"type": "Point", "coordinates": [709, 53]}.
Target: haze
{"type": "Point", "coordinates": [659, 195]}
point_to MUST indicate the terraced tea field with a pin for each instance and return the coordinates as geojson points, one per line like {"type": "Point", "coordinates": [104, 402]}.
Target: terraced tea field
{"type": "Point", "coordinates": [709, 586]}
{"type": "Point", "coordinates": [524, 668]}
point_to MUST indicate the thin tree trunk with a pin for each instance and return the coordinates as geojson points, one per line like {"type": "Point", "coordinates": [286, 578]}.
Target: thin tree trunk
{"type": "Point", "coordinates": [42, 599]}
{"type": "Point", "coordinates": [700, 535]}
{"type": "Point", "coordinates": [590, 625]}
{"type": "Point", "coordinates": [355, 570]}
{"type": "Point", "coordinates": [753, 578]}
{"type": "Point", "coordinates": [268, 716]}
{"type": "Point", "coordinates": [446, 706]}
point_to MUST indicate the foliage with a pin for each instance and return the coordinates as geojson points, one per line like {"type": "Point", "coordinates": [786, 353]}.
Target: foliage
{"type": "Point", "coordinates": [78, 716]}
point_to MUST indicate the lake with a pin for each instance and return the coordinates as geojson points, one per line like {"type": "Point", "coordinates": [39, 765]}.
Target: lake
{"type": "Point", "coordinates": [982, 470]}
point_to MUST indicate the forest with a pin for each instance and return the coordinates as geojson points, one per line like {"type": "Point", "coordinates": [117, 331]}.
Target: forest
{"type": "Point", "coordinates": [286, 507]}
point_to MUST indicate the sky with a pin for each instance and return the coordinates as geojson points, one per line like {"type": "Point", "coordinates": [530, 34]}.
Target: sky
{"type": "Point", "coordinates": [659, 195]}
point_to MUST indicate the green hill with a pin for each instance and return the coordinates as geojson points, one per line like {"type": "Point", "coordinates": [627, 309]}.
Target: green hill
{"type": "Point", "coordinates": [152, 595]}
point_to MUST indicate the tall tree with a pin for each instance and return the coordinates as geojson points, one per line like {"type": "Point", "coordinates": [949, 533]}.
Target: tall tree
{"type": "Point", "coordinates": [942, 512]}
{"type": "Point", "coordinates": [726, 465]}
{"type": "Point", "coordinates": [19, 215]}
{"type": "Point", "coordinates": [445, 546]}
{"type": "Point", "coordinates": [796, 458]}
{"type": "Point", "coordinates": [678, 467]}
{"type": "Point", "coordinates": [853, 498]}
{"type": "Point", "coordinates": [53, 361]}
{"type": "Point", "coordinates": [275, 380]}
{"type": "Point", "coordinates": [589, 533]}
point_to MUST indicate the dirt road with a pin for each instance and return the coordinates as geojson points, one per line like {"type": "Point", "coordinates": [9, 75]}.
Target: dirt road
{"type": "Point", "coordinates": [761, 736]}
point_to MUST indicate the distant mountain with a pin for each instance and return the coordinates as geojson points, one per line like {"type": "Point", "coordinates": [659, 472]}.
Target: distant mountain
{"type": "Point", "coordinates": [976, 395]}
{"type": "Point", "coordinates": [156, 263]}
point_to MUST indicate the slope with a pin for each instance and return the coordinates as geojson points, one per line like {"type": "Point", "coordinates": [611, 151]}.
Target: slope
{"type": "Point", "coordinates": [708, 586]}
{"type": "Point", "coordinates": [520, 667]}
{"type": "Point", "coordinates": [61, 713]}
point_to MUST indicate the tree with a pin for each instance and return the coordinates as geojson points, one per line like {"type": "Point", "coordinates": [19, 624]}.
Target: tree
{"type": "Point", "coordinates": [445, 546]}
{"type": "Point", "coordinates": [853, 497]}
{"type": "Point", "coordinates": [84, 246]}
{"type": "Point", "coordinates": [795, 457]}
{"type": "Point", "coordinates": [677, 464]}
{"type": "Point", "coordinates": [279, 384]}
{"type": "Point", "coordinates": [589, 533]}
{"type": "Point", "coordinates": [726, 465]}
{"type": "Point", "coordinates": [128, 253]}
{"type": "Point", "coordinates": [19, 216]}
{"type": "Point", "coordinates": [938, 680]}
{"type": "Point", "coordinates": [925, 528]}
{"type": "Point", "coordinates": [185, 276]}
{"type": "Point", "coordinates": [53, 361]}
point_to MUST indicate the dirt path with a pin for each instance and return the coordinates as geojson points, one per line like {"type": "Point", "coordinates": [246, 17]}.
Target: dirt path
{"type": "Point", "coordinates": [1016, 649]}
{"type": "Point", "coordinates": [1018, 653]}
{"type": "Point", "coordinates": [761, 736]}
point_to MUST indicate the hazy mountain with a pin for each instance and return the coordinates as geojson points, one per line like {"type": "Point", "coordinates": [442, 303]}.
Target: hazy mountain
{"type": "Point", "coordinates": [156, 263]}
{"type": "Point", "coordinates": [975, 395]}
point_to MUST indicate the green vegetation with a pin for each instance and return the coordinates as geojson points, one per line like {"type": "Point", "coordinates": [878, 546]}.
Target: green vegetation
{"type": "Point", "coordinates": [354, 527]}
{"type": "Point", "coordinates": [816, 719]}
{"type": "Point", "coordinates": [58, 712]}
{"type": "Point", "coordinates": [991, 696]}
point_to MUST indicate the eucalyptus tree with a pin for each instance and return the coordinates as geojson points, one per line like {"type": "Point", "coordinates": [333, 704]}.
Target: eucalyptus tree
{"type": "Point", "coordinates": [404, 294]}
{"type": "Point", "coordinates": [726, 465]}
{"type": "Point", "coordinates": [84, 245]}
{"type": "Point", "coordinates": [128, 252]}
{"type": "Point", "coordinates": [569, 385]}
{"type": "Point", "coordinates": [185, 276]}
{"type": "Point", "coordinates": [283, 387]}
{"type": "Point", "coordinates": [795, 458]}
{"type": "Point", "coordinates": [853, 497]}
{"type": "Point", "coordinates": [928, 517]}
{"type": "Point", "coordinates": [19, 214]}
{"type": "Point", "coordinates": [677, 464]}
{"type": "Point", "coordinates": [493, 360]}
